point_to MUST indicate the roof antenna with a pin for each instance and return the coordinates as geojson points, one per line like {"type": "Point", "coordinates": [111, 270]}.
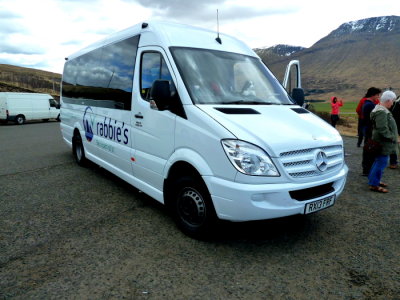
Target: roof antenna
{"type": "Point", "coordinates": [218, 39]}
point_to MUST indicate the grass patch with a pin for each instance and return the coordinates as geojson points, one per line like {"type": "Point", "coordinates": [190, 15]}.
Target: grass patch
{"type": "Point", "coordinates": [348, 107]}
{"type": "Point", "coordinates": [348, 122]}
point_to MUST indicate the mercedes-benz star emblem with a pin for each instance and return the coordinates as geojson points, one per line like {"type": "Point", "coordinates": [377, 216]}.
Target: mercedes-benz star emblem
{"type": "Point", "coordinates": [321, 161]}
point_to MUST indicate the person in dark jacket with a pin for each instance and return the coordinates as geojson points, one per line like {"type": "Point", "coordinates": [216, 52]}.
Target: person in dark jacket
{"type": "Point", "coordinates": [395, 110]}
{"type": "Point", "coordinates": [360, 126]}
{"type": "Point", "coordinates": [385, 133]}
{"type": "Point", "coordinates": [372, 98]}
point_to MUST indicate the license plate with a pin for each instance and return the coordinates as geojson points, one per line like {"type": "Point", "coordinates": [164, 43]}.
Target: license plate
{"type": "Point", "coordinates": [319, 204]}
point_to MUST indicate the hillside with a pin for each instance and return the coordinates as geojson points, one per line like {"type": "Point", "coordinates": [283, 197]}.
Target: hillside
{"type": "Point", "coordinates": [19, 79]}
{"type": "Point", "coordinates": [348, 61]}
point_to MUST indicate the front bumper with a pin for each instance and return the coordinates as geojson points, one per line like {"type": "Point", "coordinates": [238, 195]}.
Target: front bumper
{"type": "Point", "coordinates": [245, 202]}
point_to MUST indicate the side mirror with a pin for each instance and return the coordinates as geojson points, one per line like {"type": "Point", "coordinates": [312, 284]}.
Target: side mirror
{"type": "Point", "coordinates": [160, 92]}
{"type": "Point", "coordinates": [298, 96]}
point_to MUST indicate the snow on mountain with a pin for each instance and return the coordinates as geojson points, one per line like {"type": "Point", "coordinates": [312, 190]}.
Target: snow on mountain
{"type": "Point", "coordinates": [370, 25]}
{"type": "Point", "coordinates": [280, 50]}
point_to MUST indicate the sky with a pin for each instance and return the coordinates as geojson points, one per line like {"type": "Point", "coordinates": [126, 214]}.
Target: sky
{"type": "Point", "coordinates": [40, 34]}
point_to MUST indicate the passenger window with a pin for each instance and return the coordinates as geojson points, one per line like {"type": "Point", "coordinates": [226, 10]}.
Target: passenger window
{"type": "Point", "coordinates": [52, 103]}
{"type": "Point", "coordinates": [102, 77]}
{"type": "Point", "coordinates": [153, 67]}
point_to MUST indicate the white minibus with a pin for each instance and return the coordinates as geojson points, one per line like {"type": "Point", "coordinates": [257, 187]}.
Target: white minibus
{"type": "Point", "coordinates": [199, 123]}
{"type": "Point", "coordinates": [22, 107]}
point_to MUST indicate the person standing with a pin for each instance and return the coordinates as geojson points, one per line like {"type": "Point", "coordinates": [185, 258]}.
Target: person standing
{"type": "Point", "coordinates": [395, 110]}
{"type": "Point", "coordinates": [371, 99]}
{"type": "Point", "coordinates": [335, 104]}
{"type": "Point", "coordinates": [360, 127]}
{"type": "Point", "coordinates": [385, 133]}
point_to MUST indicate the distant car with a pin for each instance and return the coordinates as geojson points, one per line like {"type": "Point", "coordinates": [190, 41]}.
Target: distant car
{"type": "Point", "coordinates": [22, 107]}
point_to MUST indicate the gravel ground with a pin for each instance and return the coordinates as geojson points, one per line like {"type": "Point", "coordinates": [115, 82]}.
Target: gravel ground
{"type": "Point", "coordinates": [68, 232]}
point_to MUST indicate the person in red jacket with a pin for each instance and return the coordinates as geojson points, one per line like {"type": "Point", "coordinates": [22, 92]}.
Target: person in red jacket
{"type": "Point", "coordinates": [360, 128]}
{"type": "Point", "coordinates": [335, 104]}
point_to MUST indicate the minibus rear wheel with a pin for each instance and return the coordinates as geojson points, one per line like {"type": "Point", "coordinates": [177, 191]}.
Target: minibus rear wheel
{"type": "Point", "coordinates": [78, 150]}
{"type": "Point", "coordinates": [193, 210]}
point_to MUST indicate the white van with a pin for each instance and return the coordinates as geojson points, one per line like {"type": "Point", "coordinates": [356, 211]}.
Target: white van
{"type": "Point", "coordinates": [22, 107]}
{"type": "Point", "coordinates": [200, 124]}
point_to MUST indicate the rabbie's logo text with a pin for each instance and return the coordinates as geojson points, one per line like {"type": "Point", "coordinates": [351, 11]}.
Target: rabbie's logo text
{"type": "Point", "coordinates": [107, 128]}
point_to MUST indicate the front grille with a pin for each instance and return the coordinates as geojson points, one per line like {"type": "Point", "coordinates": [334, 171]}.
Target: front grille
{"type": "Point", "coordinates": [302, 163]}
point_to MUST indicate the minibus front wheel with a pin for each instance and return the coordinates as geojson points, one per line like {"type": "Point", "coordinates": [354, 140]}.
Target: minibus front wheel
{"type": "Point", "coordinates": [78, 150]}
{"type": "Point", "coordinates": [193, 209]}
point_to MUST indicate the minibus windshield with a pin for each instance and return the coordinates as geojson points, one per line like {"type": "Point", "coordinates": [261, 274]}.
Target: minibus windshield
{"type": "Point", "coordinates": [217, 77]}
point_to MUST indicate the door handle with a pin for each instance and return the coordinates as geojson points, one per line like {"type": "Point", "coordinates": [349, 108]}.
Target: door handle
{"type": "Point", "coordinates": [139, 116]}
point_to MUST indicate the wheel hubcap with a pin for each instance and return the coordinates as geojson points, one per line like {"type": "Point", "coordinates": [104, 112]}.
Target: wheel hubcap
{"type": "Point", "coordinates": [78, 150]}
{"type": "Point", "coordinates": [191, 207]}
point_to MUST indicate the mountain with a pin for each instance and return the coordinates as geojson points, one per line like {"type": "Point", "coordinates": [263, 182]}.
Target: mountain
{"type": "Point", "coordinates": [345, 63]}
{"type": "Point", "coordinates": [19, 79]}
{"type": "Point", "coordinates": [279, 50]}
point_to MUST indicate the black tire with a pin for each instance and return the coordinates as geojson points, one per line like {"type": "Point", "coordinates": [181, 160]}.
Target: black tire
{"type": "Point", "coordinates": [19, 120]}
{"type": "Point", "coordinates": [192, 207]}
{"type": "Point", "coordinates": [45, 120]}
{"type": "Point", "coordinates": [78, 150]}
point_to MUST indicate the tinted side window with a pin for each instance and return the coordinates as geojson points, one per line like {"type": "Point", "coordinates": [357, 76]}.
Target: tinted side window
{"type": "Point", "coordinates": [102, 77]}
{"type": "Point", "coordinates": [118, 61]}
{"type": "Point", "coordinates": [53, 103]}
{"type": "Point", "coordinates": [69, 80]}
{"type": "Point", "coordinates": [153, 67]}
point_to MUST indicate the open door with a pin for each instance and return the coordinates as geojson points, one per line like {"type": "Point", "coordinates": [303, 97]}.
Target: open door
{"type": "Point", "coordinates": [292, 82]}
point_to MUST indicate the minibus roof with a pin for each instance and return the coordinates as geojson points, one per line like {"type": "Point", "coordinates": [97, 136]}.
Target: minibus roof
{"type": "Point", "coordinates": [168, 34]}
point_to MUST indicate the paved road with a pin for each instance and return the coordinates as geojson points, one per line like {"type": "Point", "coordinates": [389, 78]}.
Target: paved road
{"type": "Point", "coordinates": [68, 232]}
{"type": "Point", "coordinates": [30, 147]}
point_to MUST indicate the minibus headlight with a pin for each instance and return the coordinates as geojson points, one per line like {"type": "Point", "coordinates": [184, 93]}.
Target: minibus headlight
{"type": "Point", "coordinates": [249, 159]}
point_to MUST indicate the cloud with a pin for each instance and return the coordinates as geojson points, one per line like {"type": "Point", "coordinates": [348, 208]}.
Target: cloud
{"type": "Point", "coordinates": [10, 27]}
{"type": "Point", "coordinates": [6, 14]}
{"type": "Point", "coordinates": [77, 1]}
{"type": "Point", "coordinates": [178, 9]}
{"type": "Point", "coordinates": [15, 49]}
{"type": "Point", "coordinates": [22, 59]}
{"type": "Point", "coordinates": [10, 22]}
{"type": "Point", "coordinates": [205, 11]}
{"type": "Point", "coordinates": [74, 42]}
{"type": "Point", "coordinates": [19, 44]}
{"type": "Point", "coordinates": [244, 13]}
